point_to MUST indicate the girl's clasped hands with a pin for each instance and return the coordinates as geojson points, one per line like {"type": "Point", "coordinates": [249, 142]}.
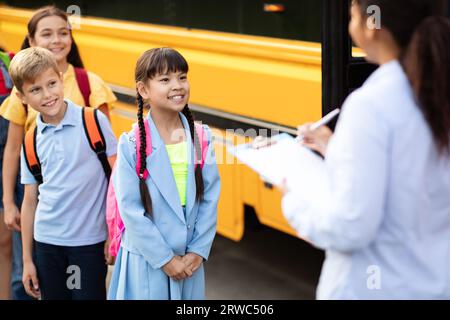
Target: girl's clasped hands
{"type": "Point", "coordinates": [182, 267]}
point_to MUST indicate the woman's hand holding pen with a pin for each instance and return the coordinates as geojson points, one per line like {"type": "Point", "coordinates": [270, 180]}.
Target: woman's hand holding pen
{"type": "Point", "coordinates": [314, 139]}
{"type": "Point", "coordinates": [316, 135]}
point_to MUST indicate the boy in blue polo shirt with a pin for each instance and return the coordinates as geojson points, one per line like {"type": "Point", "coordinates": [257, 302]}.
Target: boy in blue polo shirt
{"type": "Point", "coordinates": [65, 214]}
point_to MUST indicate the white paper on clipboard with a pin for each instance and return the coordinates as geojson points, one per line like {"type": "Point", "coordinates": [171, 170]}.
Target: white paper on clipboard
{"type": "Point", "coordinates": [303, 170]}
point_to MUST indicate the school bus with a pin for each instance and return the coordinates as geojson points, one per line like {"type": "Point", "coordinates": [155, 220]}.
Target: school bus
{"type": "Point", "coordinates": [255, 66]}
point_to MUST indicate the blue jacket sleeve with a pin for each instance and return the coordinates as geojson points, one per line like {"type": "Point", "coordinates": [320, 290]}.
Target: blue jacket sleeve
{"type": "Point", "coordinates": [145, 235]}
{"type": "Point", "coordinates": [205, 226]}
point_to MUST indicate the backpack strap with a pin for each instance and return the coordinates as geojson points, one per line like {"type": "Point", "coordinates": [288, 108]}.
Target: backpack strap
{"type": "Point", "coordinates": [148, 150]}
{"type": "Point", "coordinates": [203, 144]}
{"type": "Point", "coordinates": [200, 132]}
{"type": "Point", "coordinates": [31, 156]}
{"type": "Point", "coordinates": [83, 83]}
{"type": "Point", "coordinates": [95, 137]}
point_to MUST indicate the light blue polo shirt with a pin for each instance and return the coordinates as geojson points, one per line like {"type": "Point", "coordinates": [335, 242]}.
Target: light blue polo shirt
{"type": "Point", "coordinates": [72, 197]}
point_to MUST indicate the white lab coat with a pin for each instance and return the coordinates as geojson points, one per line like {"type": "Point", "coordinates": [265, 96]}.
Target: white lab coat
{"type": "Point", "coordinates": [385, 220]}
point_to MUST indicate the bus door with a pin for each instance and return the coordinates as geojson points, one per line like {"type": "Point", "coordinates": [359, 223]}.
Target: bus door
{"type": "Point", "coordinates": [342, 70]}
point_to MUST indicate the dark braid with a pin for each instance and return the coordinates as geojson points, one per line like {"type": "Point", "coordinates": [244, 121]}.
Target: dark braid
{"type": "Point", "coordinates": [198, 170]}
{"type": "Point", "coordinates": [145, 195]}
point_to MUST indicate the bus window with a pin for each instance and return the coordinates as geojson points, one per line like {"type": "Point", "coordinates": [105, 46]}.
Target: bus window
{"type": "Point", "coordinates": [299, 19]}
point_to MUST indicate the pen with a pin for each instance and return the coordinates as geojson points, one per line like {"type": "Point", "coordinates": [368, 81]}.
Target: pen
{"type": "Point", "coordinates": [261, 142]}
{"type": "Point", "coordinates": [330, 116]}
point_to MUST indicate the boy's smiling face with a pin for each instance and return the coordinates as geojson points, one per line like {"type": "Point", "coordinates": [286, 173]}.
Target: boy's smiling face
{"type": "Point", "coordinates": [45, 94]}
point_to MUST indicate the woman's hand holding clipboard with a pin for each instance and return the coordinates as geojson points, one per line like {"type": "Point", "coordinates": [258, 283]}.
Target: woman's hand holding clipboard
{"type": "Point", "coordinates": [312, 135]}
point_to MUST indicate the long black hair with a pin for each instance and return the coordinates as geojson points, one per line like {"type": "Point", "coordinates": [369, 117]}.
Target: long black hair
{"type": "Point", "coordinates": [74, 57]}
{"type": "Point", "coordinates": [422, 31]}
{"type": "Point", "coordinates": [153, 62]}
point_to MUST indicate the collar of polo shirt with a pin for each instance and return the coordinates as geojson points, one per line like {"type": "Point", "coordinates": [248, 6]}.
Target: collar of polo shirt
{"type": "Point", "coordinates": [70, 119]}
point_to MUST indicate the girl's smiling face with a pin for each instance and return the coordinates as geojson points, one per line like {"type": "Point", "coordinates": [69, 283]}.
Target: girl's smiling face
{"type": "Point", "coordinates": [169, 91]}
{"type": "Point", "coordinates": [53, 33]}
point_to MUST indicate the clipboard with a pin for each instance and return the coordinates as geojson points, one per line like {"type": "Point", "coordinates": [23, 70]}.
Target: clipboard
{"type": "Point", "coordinates": [286, 159]}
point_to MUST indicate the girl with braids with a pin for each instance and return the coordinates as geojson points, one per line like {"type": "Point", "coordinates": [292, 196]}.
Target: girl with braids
{"type": "Point", "coordinates": [384, 220]}
{"type": "Point", "coordinates": [170, 218]}
{"type": "Point", "coordinates": [48, 28]}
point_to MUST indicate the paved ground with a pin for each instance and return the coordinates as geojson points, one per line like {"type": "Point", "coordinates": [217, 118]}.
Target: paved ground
{"type": "Point", "coordinates": [266, 264]}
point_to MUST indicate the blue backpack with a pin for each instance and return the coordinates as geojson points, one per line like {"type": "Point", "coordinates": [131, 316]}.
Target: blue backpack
{"type": "Point", "coordinates": [6, 83]}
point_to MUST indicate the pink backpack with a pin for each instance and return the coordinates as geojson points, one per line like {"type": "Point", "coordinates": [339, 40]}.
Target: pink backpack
{"type": "Point", "coordinates": [113, 219]}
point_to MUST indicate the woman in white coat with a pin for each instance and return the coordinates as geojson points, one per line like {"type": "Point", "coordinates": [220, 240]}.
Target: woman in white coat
{"type": "Point", "coordinates": [385, 219]}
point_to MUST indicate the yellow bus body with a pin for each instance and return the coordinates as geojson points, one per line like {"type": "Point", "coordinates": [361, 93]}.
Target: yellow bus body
{"type": "Point", "coordinates": [271, 80]}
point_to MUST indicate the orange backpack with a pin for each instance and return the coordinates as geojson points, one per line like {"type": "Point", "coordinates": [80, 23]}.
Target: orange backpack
{"type": "Point", "coordinates": [94, 136]}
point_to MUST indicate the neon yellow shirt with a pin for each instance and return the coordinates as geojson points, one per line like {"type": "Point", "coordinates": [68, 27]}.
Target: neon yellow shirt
{"type": "Point", "coordinates": [179, 162]}
{"type": "Point", "coordinates": [13, 110]}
